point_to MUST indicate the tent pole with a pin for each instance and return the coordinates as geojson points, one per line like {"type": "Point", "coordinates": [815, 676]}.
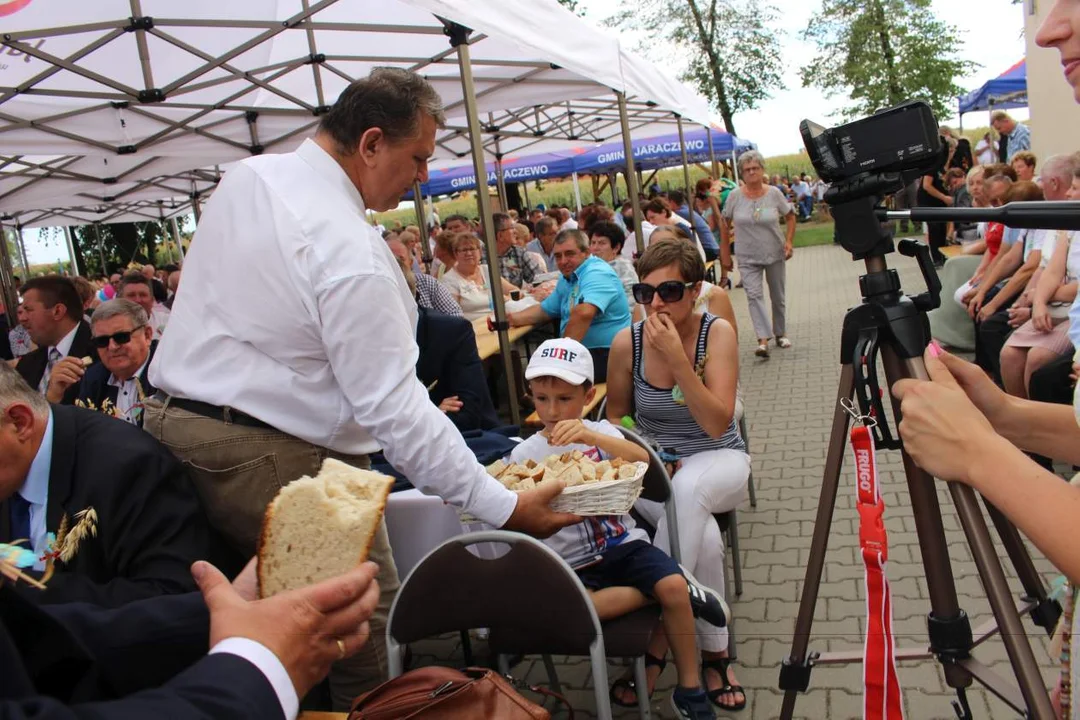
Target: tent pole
{"type": "Point", "coordinates": [500, 178]}
{"type": "Point", "coordinates": [614, 189]}
{"type": "Point", "coordinates": [577, 191]}
{"type": "Point", "coordinates": [712, 154]}
{"type": "Point", "coordinates": [10, 296]}
{"type": "Point", "coordinates": [71, 251]}
{"type": "Point", "coordinates": [525, 189]}
{"type": "Point", "coordinates": [631, 175]}
{"type": "Point", "coordinates": [421, 222]}
{"type": "Point", "coordinates": [101, 250]}
{"type": "Point", "coordinates": [195, 207]}
{"type": "Point", "coordinates": [176, 238]}
{"type": "Point", "coordinates": [735, 164]}
{"type": "Point", "coordinates": [22, 251]}
{"type": "Point", "coordinates": [685, 162]}
{"type": "Point", "coordinates": [459, 39]}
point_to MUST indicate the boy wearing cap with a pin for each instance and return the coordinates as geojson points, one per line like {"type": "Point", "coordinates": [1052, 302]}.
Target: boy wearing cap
{"type": "Point", "coordinates": [613, 558]}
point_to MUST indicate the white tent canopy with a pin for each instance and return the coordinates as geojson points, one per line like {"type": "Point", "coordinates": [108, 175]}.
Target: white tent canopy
{"type": "Point", "coordinates": [124, 99]}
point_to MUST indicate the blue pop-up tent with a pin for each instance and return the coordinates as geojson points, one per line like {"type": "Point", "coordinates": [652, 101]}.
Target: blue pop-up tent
{"type": "Point", "coordinates": [1008, 90]}
{"type": "Point", "coordinates": [649, 154]}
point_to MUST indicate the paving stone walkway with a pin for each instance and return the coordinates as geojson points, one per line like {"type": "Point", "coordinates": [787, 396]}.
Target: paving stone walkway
{"type": "Point", "coordinates": [790, 399]}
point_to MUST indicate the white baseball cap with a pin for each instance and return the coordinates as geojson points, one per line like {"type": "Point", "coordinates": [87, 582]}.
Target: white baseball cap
{"type": "Point", "coordinates": [563, 358]}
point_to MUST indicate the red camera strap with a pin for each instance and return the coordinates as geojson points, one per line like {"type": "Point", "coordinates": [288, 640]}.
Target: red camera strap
{"type": "Point", "coordinates": [881, 693]}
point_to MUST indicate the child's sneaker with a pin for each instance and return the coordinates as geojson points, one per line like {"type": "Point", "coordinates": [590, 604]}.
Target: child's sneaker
{"type": "Point", "coordinates": [691, 704]}
{"type": "Point", "coordinates": [706, 603]}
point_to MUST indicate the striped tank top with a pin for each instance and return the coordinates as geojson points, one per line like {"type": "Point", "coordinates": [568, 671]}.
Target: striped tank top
{"type": "Point", "coordinates": [668, 423]}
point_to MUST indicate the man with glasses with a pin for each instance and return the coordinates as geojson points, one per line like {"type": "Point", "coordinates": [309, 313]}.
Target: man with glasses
{"type": "Point", "coordinates": [125, 344]}
{"type": "Point", "coordinates": [589, 300]}
{"type": "Point", "coordinates": [515, 264]}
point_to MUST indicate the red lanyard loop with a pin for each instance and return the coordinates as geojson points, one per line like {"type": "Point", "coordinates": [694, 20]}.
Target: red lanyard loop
{"type": "Point", "coordinates": [881, 694]}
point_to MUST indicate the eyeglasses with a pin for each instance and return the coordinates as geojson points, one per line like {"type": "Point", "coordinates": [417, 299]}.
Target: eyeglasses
{"type": "Point", "coordinates": [461, 251]}
{"type": "Point", "coordinates": [670, 291]}
{"type": "Point", "coordinates": [121, 338]}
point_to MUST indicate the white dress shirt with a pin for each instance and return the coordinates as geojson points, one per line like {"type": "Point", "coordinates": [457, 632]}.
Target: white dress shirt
{"type": "Point", "coordinates": [159, 318]}
{"type": "Point", "coordinates": [269, 665]}
{"type": "Point", "coordinates": [295, 312]}
{"type": "Point", "coordinates": [127, 394]}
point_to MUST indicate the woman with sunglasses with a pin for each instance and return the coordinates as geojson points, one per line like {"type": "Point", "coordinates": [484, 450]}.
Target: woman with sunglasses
{"type": "Point", "coordinates": [676, 373]}
{"type": "Point", "coordinates": [753, 214]}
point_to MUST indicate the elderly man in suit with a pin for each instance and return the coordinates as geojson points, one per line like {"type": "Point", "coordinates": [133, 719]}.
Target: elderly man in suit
{"type": "Point", "coordinates": [125, 344]}
{"type": "Point", "coordinates": [222, 654]}
{"type": "Point", "coordinates": [55, 322]}
{"type": "Point", "coordinates": [59, 461]}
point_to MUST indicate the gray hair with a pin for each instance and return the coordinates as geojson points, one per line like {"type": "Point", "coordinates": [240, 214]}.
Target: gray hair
{"type": "Point", "coordinates": [13, 389]}
{"type": "Point", "coordinates": [577, 236]}
{"type": "Point", "coordinates": [119, 307]}
{"type": "Point", "coordinates": [390, 99]}
{"type": "Point", "coordinates": [1062, 167]}
{"type": "Point", "coordinates": [750, 156]}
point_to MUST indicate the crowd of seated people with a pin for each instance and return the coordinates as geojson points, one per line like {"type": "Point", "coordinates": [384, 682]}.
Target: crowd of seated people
{"type": "Point", "coordinates": [1019, 295]}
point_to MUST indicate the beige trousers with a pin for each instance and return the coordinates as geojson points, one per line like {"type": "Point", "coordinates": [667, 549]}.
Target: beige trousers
{"type": "Point", "coordinates": [237, 471]}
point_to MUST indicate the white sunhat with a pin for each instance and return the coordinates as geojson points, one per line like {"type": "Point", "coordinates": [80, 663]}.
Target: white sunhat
{"type": "Point", "coordinates": [563, 358]}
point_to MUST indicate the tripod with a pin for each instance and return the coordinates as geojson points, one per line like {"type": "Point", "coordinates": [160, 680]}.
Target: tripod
{"type": "Point", "coordinates": [895, 325]}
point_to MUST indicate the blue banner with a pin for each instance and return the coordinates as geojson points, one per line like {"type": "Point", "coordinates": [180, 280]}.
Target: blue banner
{"type": "Point", "coordinates": [649, 154]}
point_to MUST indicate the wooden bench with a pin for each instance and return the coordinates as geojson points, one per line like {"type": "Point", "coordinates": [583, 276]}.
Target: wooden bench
{"type": "Point", "coordinates": [598, 397]}
{"type": "Point", "coordinates": [952, 250]}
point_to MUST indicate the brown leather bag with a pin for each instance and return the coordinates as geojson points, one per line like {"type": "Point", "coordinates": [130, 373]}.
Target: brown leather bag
{"type": "Point", "coordinates": [448, 694]}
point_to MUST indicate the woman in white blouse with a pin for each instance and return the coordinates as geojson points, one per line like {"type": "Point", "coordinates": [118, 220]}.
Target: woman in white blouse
{"type": "Point", "coordinates": [468, 282]}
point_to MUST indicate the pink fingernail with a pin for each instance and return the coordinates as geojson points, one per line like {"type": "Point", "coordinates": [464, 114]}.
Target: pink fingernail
{"type": "Point", "coordinates": [935, 349]}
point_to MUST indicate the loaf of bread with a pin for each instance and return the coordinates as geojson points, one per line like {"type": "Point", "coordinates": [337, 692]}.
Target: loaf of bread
{"type": "Point", "coordinates": [318, 528]}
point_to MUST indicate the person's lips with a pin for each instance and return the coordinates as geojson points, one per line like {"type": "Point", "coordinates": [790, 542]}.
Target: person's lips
{"type": "Point", "coordinates": [1071, 65]}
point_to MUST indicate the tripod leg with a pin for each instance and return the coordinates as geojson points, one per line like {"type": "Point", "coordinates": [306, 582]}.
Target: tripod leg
{"type": "Point", "coordinates": [1046, 613]}
{"type": "Point", "coordinates": [938, 571]}
{"type": "Point", "coordinates": [795, 671]}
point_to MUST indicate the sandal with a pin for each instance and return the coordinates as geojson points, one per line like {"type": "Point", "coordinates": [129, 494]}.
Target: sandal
{"type": "Point", "coordinates": [762, 350]}
{"type": "Point", "coordinates": [783, 342]}
{"type": "Point", "coordinates": [630, 684]}
{"type": "Point", "coordinates": [720, 665]}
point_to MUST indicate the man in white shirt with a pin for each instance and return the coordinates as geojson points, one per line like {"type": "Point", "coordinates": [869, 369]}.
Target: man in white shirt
{"type": "Point", "coordinates": [311, 351]}
{"type": "Point", "coordinates": [568, 221]}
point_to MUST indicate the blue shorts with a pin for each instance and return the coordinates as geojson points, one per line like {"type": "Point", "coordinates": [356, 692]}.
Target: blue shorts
{"type": "Point", "coordinates": [631, 563]}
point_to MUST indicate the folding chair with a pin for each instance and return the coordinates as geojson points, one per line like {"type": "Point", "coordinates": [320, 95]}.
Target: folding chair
{"type": "Point", "coordinates": [529, 594]}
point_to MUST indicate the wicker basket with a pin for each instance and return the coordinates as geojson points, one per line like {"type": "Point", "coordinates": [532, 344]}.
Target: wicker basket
{"type": "Point", "coordinates": [613, 497]}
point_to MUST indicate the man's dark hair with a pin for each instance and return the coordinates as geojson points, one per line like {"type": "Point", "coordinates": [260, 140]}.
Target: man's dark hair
{"type": "Point", "coordinates": [677, 197]}
{"type": "Point", "coordinates": [612, 232]}
{"type": "Point", "coordinates": [171, 268]}
{"type": "Point", "coordinates": [57, 290]}
{"type": "Point", "coordinates": [498, 220]}
{"type": "Point", "coordinates": [133, 278]}
{"type": "Point", "coordinates": [656, 206]}
{"type": "Point", "coordinates": [453, 218]}
{"type": "Point", "coordinates": [390, 99]}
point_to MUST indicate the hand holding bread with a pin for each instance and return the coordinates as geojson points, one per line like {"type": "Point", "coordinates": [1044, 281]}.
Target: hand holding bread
{"type": "Point", "coordinates": [65, 373]}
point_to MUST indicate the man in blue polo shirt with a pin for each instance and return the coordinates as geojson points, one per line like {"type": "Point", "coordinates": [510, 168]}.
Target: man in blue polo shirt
{"type": "Point", "coordinates": [589, 300]}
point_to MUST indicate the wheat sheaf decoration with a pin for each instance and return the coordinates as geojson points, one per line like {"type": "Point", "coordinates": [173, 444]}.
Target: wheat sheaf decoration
{"type": "Point", "coordinates": [68, 539]}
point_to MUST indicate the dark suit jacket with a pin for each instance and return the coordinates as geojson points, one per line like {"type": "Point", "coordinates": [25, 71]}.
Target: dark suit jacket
{"type": "Point", "coordinates": [94, 388]}
{"type": "Point", "coordinates": [32, 365]}
{"type": "Point", "coordinates": [448, 354]}
{"type": "Point", "coordinates": [5, 342]}
{"type": "Point", "coordinates": [150, 525]}
{"type": "Point", "coordinates": [144, 660]}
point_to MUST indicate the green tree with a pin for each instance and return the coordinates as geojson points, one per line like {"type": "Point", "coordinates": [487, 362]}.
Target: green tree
{"type": "Point", "coordinates": [729, 49]}
{"type": "Point", "coordinates": [880, 53]}
{"type": "Point", "coordinates": [572, 6]}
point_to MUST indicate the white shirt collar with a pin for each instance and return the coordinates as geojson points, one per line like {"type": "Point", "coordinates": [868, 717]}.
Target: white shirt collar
{"type": "Point", "coordinates": [328, 168]}
{"type": "Point", "coordinates": [117, 382]}
{"type": "Point", "coordinates": [64, 346]}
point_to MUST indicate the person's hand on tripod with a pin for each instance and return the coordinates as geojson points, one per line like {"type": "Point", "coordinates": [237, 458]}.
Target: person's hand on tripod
{"type": "Point", "coordinates": [942, 429]}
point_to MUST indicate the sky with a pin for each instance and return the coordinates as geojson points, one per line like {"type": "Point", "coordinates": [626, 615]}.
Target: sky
{"type": "Point", "coordinates": [991, 31]}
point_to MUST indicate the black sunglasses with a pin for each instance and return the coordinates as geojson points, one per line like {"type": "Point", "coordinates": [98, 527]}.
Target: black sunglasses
{"type": "Point", "coordinates": [121, 338]}
{"type": "Point", "coordinates": [670, 291]}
